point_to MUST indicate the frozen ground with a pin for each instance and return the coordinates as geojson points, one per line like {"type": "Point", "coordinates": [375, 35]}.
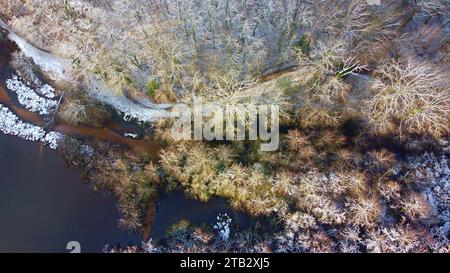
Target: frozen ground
{"type": "Point", "coordinates": [122, 104]}
{"type": "Point", "coordinates": [37, 101]}
{"type": "Point", "coordinates": [57, 68]}
{"type": "Point", "coordinates": [10, 124]}
{"type": "Point", "coordinates": [432, 172]}
{"type": "Point", "coordinates": [60, 69]}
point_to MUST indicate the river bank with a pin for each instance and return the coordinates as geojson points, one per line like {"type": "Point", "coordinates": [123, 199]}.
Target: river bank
{"type": "Point", "coordinates": [362, 161]}
{"type": "Point", "coordinates": [51, 202]}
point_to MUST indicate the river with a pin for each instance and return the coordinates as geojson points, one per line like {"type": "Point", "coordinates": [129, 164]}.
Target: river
{"type": "Point", "coordinates": [44, 205]}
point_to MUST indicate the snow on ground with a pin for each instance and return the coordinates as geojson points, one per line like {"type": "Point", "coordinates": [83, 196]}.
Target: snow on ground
{"type": "Point", "coordinates": [10, 124]}
{"type": "Point", "coordinates": [46, 91]}
{"type": "Point", "coordinates": [29, 98]}
{"type": "Point", "coordinates": [433, 173]}
{"type": "Point", "coordinates": [130, 109]}
{"type": "Point", "coordinates": [58, 68]}
{"type": "Point", "coordinates": [223, 226]}
{"type": "Point", "coordinates": [26, 73]}
{"type": "Point", "coordinates": [52, 139]}
{"type": "Point", "coordinates": [131, 135]}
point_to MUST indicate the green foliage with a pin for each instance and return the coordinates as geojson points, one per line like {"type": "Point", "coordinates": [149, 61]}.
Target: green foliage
{"type": "Point", "coordinates": [286, 85]}
{"type": "Point", "coordinates": [69, 11]}
{"type": "Point", "coordinates": [152, 85]}
{"type": "Point", "coordinates": [304, 45]}
{"type": "Point", "coordinates": [179, 227]}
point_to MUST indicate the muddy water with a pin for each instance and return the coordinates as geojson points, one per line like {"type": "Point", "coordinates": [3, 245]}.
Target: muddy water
{"type": "Point", "coordinates": [112, 132]}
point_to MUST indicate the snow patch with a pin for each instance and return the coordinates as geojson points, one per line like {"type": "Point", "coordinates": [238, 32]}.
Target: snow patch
{"type": "Point", "coordinates": [30, 98]}
{"type": "Point", "coordinates": [52, 139]}
{"type": "Point", "coordinates": [60, 69]}
{"type": "Point", "coordinates": [46, 91]}
{"type": "Point", "coordinates": [130, 135]}
{"type": "Point", "coordinates": [223, 226]}
{"type": "Point", "coordinates": [130, 109]}
{"type": "Point", "coordinates": [433, 173]}
{"type": "Point", "coordinates": [10, 124]}
{"type": "Point", "coordinates": [53, 65]}
{"type": "Point", "coordinates": [57, 67]}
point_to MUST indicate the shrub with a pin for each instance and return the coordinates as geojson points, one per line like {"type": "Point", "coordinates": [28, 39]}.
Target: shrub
{"type": "Point", "coordinates": [411, 94]}
{"type": "Point", "coordinates": [181, 226]}
{"type": "Point", "coordinates": [73, 111]}
{"type": "Point", "coordinates": [297, 140]}
{"type": "Point", "coordinates": [77, 108]}
{"type": "Point", "coordinates": [152, 85]}
{"type": "Point", "coordinates": [398, 239]}
{"type": "Point", "coordinates": [365, 211]}
{"type": "Point", "coordinates": [414, 206]}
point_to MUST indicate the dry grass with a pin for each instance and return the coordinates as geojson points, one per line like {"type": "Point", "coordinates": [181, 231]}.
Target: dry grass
{"type": "Point", "coordinates": [325, 190]}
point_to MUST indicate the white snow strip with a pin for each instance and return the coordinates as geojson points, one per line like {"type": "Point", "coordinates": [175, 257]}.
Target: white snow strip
{"type": "Point", "coordinates": [58, 68]}
{"type": "Point", "coordinates": [130, 109]}
{"type": "Point", "coordinates": [52, 139]}
{"type": "Point", "coordinates": [46, 91]}
{"type": "Point", "coordinates": [55, 66]}
{"type": "Point", "coordinates": [10, 124]}
{"type": "Point", "coordinates": [29, 98]}
{"type": "Point", "coordinates": [130, 135]}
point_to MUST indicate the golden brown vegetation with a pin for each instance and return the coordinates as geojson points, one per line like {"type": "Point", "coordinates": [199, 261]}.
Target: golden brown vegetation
{"type": "Point", "coordinates": [325, 188]}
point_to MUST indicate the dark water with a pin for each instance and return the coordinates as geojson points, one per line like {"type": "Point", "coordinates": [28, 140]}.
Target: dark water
{"type": "Point", "coordinates": [175, 207]}
{"type": "Point", "coordinates": [44, 205]}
